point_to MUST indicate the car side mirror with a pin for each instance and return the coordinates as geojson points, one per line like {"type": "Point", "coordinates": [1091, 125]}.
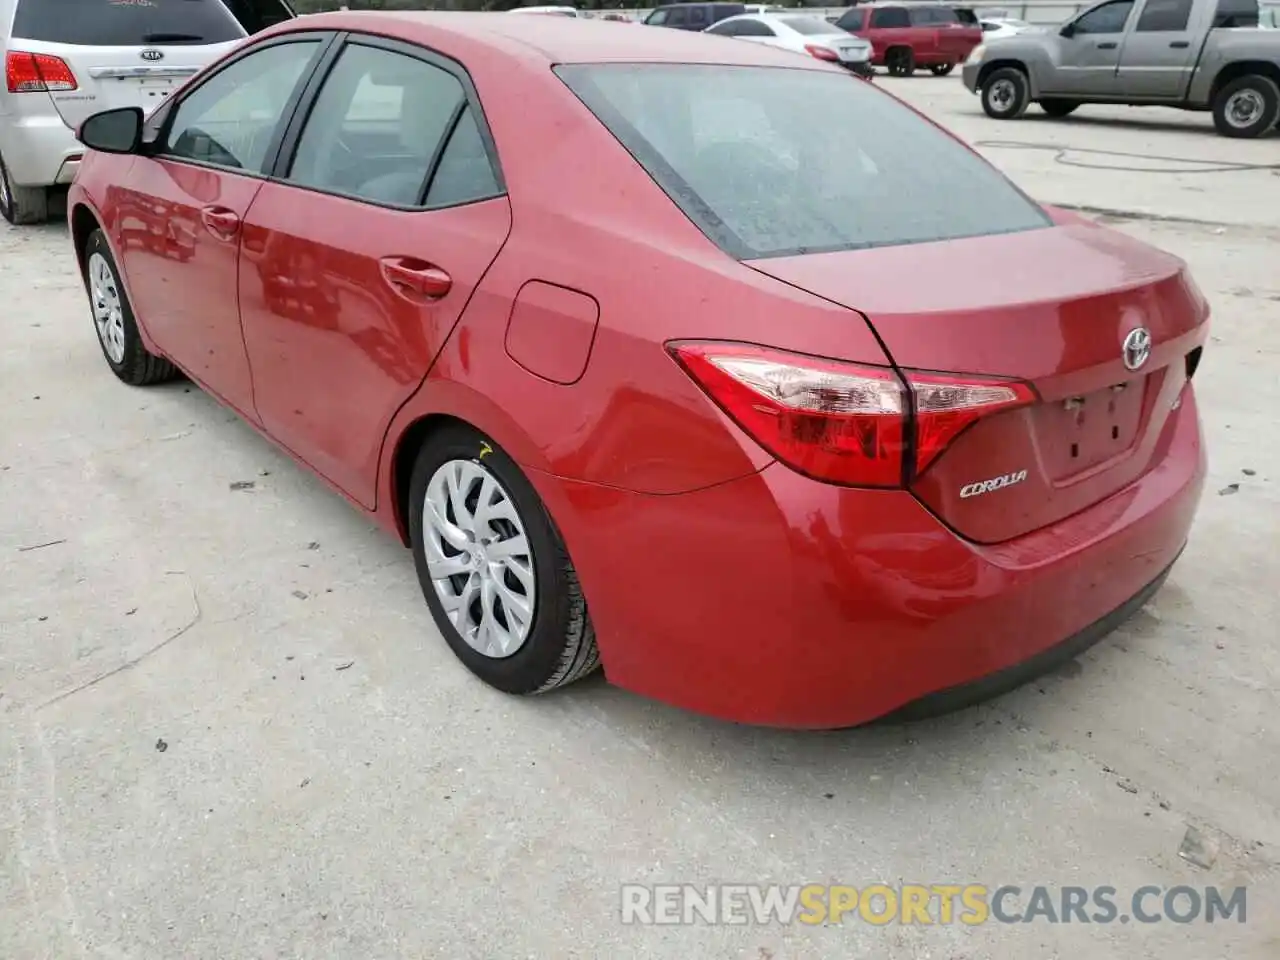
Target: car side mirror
{"type": "Point", "coordinates": [1068, 31]}
{"type": "Point", "coordinates": [113, 131]}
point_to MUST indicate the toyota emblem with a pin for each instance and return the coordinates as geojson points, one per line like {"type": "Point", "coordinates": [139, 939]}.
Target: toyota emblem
{"type": "Point", "coordinates": [1137, 347]}
{"type": "Point", "coordinates": [152, 54]}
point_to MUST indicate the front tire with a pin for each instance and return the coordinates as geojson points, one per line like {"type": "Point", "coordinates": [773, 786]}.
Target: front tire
{"type": "Point", "coordinates": [1005, 94]}
{"type": "Point", "coordinates": [495, 573]}
{"type": "Point", "coordinates": [1247, 107]}
{"type": "Point", "coordinates": [1058, 108]}
{"type": "Point", "coordinates": [113, 319]}
{"type": "Point", "coordinates": [21, 205]}
{"type": "Point", "coordinates": [942, 69]}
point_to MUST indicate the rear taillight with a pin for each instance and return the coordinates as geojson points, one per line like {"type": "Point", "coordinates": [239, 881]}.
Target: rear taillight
{"type": "Point", "coordinates": [37, 73]}
{"type": "Point", "coordinates": [822, 53]}
{"type": "Point", "coordinates": [853, 424]}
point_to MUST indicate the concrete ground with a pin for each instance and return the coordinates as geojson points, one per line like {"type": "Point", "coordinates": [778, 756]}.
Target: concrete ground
{"type": "Point", "coordinates": [228, 728]}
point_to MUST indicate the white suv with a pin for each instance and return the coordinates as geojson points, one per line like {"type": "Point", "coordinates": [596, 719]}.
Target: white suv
{"type": "Point", "coordinates": [67, 59]}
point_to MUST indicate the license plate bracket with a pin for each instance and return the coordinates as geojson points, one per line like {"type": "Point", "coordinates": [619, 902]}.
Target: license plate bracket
{"type": "Point", "coordinates": [1081, 433]}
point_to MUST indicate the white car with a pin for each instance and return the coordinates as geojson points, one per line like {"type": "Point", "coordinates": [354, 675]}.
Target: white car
{"type": "Point", "coordinates": [995, 28]}
{"type": "Point", "coordinates": [813, 36]}
{"type": "Point", "coordinates": [67, 59]}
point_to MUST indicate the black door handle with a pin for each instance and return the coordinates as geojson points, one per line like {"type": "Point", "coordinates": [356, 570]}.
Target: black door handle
{"type": "Point", "coordinates": [1180, 44]}
{"type": "Point", "coordinates": [1107, 45]}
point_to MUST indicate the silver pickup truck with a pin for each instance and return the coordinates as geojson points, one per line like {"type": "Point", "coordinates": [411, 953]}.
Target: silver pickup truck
{"type": "Point", "coordinates": [1191, 54]}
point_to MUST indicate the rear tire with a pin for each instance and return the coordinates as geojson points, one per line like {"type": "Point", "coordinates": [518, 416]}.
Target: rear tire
{"type": "Point", "coordinates": [900, 61]}
{"type": "Point", "coordinates": [1058, 108]}
{"type": "Point", "coordinates": [539, 634]}
{"type": "Point", "coordinates": [113, 319]}
{"type": "Point", "coordinates": [21, 205]}
{"type": "Point", "coordinates": [1247, 107]}
{"type": "Point", "coordinates": [1006, 94]}
{"type": "Point", "coordinates": [941, 69]}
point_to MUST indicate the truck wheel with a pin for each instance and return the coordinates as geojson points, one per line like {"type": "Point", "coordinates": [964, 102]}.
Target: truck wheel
{"type": "Point", "coordinates": [1005, 94]}
{"type": "Point", "coordinates": [1058, 108]}
{"type": "Point", "coordinates": [900, 61]}
{"type": "Point", "coordinates": [1246, 107]}
{"type": "Point", "coordinates": [20, 205]}
{"type": "Point", "coordinates": [941, 69]}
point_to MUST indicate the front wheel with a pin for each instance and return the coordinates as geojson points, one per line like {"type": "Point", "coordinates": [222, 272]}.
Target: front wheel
{"type": "Point", "coordinates": [114, 322]}
{"type": "Point", "coordinates": [1247, 107]}
{"type": "Point", "coordinates": [1005, 94]}
{"type": "Point", "coordinates": [1058, 108]}
{"type": "Point", "coordinates": [495, 572]}
{"type": "Point", "coordinates": [941, 69]}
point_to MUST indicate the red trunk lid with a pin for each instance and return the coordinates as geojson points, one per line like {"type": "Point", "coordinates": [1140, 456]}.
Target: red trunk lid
{"type": "Point", "coordinates": [1052, 307]}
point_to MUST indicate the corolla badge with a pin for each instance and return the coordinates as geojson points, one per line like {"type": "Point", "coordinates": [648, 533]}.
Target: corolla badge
{"type": "Point", "coordinates": [1137, 347]}
{"type": "Point", "coordinates": [995, 483]}
{"type": "Point", "coordinates": [152, 54]}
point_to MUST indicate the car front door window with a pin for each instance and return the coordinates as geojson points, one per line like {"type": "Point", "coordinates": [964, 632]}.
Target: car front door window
{"type": "Point", "coordinates": [1110, 18]}
{"type": "Point", "coordinates": [230, 119]}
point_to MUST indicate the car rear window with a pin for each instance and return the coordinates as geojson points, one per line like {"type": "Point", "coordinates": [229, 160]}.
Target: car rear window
{"type": "Point", "coordinates": [125, 23]}
{"type": "Point", "coordinates": [811, 26]}
{"type": "Point", "coordinates": [772, 161]}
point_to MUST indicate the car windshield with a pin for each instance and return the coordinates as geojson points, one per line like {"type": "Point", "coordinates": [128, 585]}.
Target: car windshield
{"type": "Point", "coordinates": [125, 23]}
{"type": "Point", "coordinates": [811, 26]}
{"type": "Point", "coordinates": [770, 161]}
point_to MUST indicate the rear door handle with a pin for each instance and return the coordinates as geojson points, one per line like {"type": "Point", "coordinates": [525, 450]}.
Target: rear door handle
{"type": "Point", "coordinates": [415, 279]}
{"type": "Point", "coordinates": [1180, 44]}
{"type": "Point", "coordinates": [1107, 45]}
{"type": "Point", "coordinates": [220, 221]}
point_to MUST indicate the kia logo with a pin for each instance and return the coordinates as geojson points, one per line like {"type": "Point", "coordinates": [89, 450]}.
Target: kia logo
{"type": "Point", "coordinates": [152, 54]}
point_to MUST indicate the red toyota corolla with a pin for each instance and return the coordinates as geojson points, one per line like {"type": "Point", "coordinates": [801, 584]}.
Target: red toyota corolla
{"type": "Point", "coordinates": [700, 360]}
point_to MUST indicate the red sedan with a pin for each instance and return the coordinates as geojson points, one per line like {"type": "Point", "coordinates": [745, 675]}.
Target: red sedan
{"type": "Point", "coordinates": [702, 361]}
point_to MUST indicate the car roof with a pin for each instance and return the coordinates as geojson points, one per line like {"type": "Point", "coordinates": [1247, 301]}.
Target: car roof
{"type": "Point", "coordinates": [550, 39]}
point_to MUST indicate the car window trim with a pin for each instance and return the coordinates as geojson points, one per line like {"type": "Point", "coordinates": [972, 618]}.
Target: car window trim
{"type": "Point", "coordinates": [325, 40]}
{"type": "Point", "coordinates": [287, 148]}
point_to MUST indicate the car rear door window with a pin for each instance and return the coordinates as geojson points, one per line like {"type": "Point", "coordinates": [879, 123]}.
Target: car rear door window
{"type": "Point", "coordinates": [761, 178]}
{"type": "Point", "coordinates": [932, 16]}
{"type": "Point", "coordinates": [465, 172]}
{"type": "Point", "coordinates": [755, 28]}
{"type": "Point", "coordinates": [851, 20]}
{"type": "Point", "coordinates": [699, 17]}
{"type": "Point", "coordinates": [1164, 16]}
{"type": "Point", "coordinates": [230, 119]}
{"type": "Point", "coordinates": [110, 23]}
{"type": "Point", "coordinates": [890, 17]}
{"type": "Point", "coordinates": [379, 123]}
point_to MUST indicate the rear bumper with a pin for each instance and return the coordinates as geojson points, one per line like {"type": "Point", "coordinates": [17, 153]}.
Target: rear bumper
{"type": "Point", "coordinates": [780, 601]}
{"type": "Point", "coordinates": [40, 150]}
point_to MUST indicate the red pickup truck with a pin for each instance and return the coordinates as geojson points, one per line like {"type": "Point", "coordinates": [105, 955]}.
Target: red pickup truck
{"type": "Point", "coordinates": [905, 37]}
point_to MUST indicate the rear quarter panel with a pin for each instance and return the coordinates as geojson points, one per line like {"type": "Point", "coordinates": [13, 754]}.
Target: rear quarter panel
{"type": "Point", "coordinates": [634, 419]}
